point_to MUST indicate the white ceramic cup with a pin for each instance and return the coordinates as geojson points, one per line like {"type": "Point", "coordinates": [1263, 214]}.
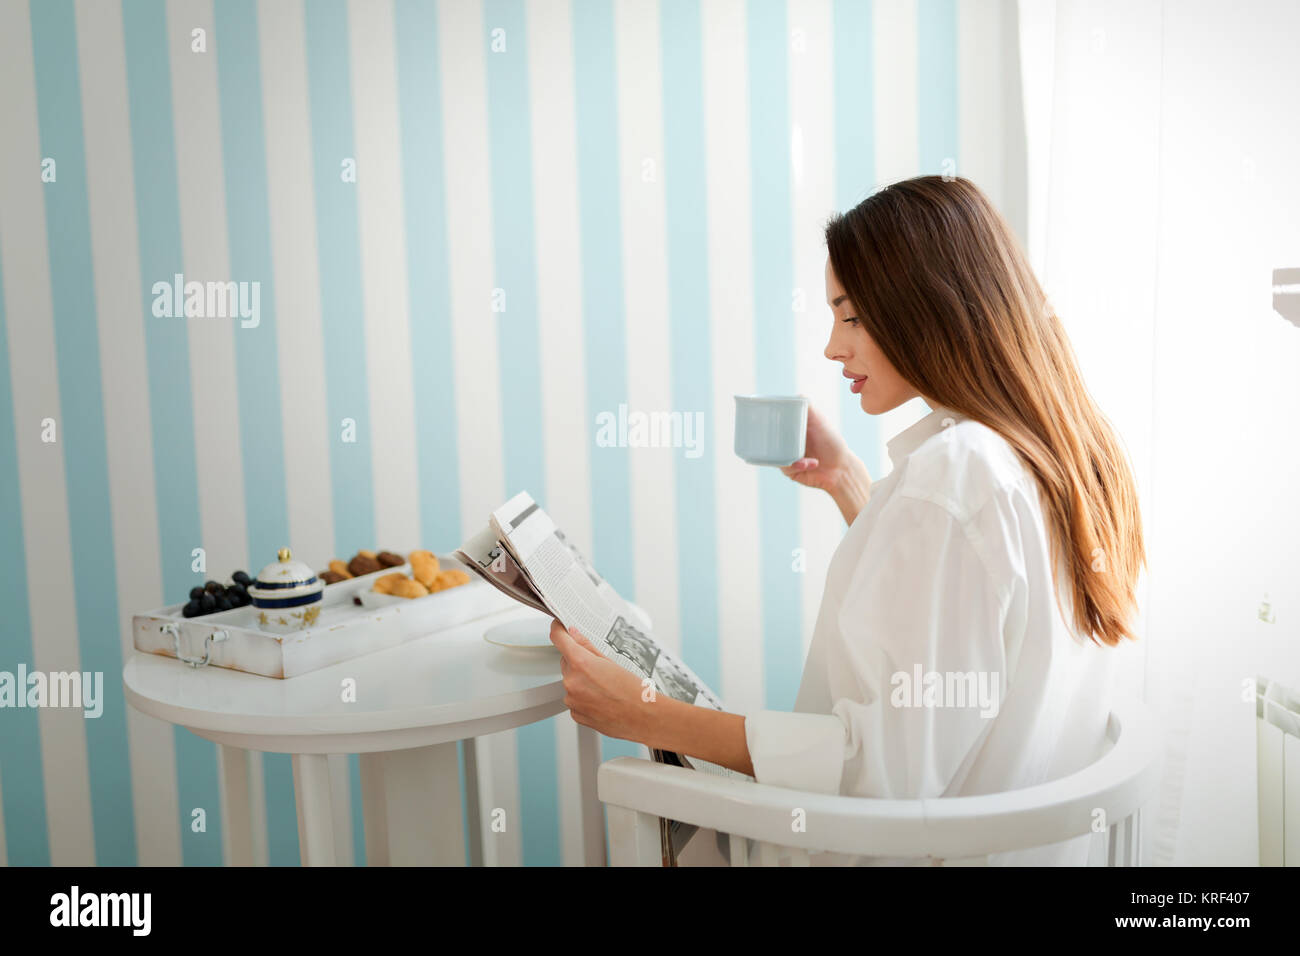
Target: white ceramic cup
{"type": "Point", "coordinates": [770, 429]}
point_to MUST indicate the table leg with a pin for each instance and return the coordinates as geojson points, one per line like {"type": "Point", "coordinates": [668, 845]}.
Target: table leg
{"type": "Point", "coordinates": [412, 807]}
{"type": "Point", "coordinates": [311, 788]}
{"type": "Point", "coordinates": [341, 803]}
{"type": "Point", "coordinates": [238, 822]}
{"type": "Point", "coordinates": [374, 809]}
{"type": "Point", "coordinates": [257, 794]}
{"type": "Point", "coordinates": [473, 809]}
{"type": "Point", "coordinates": [593, 812]}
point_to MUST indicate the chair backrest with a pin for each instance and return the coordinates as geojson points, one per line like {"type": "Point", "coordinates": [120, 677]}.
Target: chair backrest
{"type": "Point", "coordinates": [1091, 800]}
{"type": "Point", "coordinates": [1109, 791]}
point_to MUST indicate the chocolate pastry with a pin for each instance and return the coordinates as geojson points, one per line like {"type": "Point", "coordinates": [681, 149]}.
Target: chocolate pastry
{"type": "Point", "coordinates": [389, 560]}
{"type": "Point", "coordinates": [363, 565]}
{"type": "Point", "coordinates": [333, 577]}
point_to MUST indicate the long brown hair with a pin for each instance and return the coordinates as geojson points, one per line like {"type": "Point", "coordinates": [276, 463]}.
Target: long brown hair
{"type": "Point", "coordinates": [944, 288]}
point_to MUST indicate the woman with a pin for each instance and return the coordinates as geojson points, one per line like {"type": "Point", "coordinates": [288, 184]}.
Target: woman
{"type": "Point", "coordinates": [965, 630]}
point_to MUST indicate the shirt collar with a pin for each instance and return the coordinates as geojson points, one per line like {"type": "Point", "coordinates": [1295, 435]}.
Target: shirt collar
{"type": "Point", "coordinates": [910, 439]}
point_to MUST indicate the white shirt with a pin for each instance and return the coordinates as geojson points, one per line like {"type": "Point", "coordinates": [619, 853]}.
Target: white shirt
{"type": "Point", "coordinates": [945, 572]}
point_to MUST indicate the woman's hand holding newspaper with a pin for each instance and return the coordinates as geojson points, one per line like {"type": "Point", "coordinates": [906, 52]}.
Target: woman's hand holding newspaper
{"type": "Point", "coordinates": [599, 693]}
{"type": "Point", "coordinates": [613, 701]}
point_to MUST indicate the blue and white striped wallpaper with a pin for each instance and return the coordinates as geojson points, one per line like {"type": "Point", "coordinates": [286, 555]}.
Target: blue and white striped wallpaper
{"type": "Point", "coordinates": [558, 208]}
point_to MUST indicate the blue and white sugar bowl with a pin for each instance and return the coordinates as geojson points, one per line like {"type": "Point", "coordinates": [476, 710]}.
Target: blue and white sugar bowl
{"type": "Point", "coordinates": [287, 595]}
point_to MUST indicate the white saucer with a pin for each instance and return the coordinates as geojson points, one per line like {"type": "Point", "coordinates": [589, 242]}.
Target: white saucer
{"type": "Point", "coordinates": [533, 634]}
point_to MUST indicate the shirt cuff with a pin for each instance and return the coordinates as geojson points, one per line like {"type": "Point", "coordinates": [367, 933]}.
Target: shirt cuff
{"type": "Point", "coordinates": [795, 750]}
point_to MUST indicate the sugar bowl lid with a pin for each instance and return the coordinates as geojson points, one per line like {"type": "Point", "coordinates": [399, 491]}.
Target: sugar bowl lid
{"type": "Point", "coordinates": [285, 578]}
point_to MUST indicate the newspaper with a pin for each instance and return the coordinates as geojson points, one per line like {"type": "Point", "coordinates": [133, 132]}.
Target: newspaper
{"type": "Point", "coordinates": [523, 554]}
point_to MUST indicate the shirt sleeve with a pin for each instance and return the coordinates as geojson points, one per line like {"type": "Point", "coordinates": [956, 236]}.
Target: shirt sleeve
{"type": "Point", "coordinates": [920, 667]}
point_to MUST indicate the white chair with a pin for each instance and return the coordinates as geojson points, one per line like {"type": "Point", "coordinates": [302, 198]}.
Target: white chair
{"type": "Point", "coordinates": [946, 830]}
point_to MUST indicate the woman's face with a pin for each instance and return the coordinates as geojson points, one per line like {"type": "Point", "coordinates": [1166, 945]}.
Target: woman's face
{"type": "Point", "coordinates": [879, 386]}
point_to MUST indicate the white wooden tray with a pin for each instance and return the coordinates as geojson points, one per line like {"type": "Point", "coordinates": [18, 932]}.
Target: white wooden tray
{"type": "Point", "coordinates": [343, 630]}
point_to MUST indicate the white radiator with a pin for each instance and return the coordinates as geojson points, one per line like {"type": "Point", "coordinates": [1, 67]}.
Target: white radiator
{"type": "Point", "coordinates": [1277, 723]}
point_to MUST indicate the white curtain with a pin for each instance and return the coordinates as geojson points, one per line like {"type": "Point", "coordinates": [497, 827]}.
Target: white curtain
{"type": "Point", "coordinates": [1162, 198]}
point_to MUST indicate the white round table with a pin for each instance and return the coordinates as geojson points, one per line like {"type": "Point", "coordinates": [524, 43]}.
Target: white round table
{"type": "Point", "coordinates": [412, 704]}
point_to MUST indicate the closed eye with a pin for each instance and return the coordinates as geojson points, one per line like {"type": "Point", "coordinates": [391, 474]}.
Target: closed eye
{"type": "Point", "coordinates": [851, 318]}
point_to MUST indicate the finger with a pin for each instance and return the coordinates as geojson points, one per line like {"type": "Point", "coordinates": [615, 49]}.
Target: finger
{"type": "Point", "coordinates": [572, 704]}
{"type": "Point", "coordinates": [570, 642]}
{"type": "Point", "coordinates": [582, 641]}
{"type": "Point", "coordinates": [560, 637]}
{"type": "Point", "coordinates": [800, 467]}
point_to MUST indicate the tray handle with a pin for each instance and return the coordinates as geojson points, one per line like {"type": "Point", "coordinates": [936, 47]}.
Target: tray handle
{"type": "Point", "coordinates": [213, 637]}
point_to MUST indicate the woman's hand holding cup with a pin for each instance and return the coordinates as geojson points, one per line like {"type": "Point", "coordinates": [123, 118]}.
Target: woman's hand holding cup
{"type": "Point", "coordinates": [830, 466]}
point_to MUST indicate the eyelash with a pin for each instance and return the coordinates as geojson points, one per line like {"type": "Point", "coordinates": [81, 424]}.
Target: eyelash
{"type": "Point", "coordinates": [852, 318]}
